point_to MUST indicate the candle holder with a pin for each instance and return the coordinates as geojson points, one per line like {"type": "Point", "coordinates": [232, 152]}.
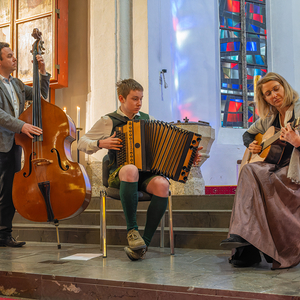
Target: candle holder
{"type": "Point", "coordinates": [77, 138]}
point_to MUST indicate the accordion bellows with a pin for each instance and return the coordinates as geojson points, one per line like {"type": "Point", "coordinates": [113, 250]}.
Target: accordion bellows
{"type": "Point", "coordinates": [158, 147]}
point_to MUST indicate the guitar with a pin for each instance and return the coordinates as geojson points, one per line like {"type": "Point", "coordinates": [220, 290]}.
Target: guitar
{"type": "Point", "coordinates": [272, 146]}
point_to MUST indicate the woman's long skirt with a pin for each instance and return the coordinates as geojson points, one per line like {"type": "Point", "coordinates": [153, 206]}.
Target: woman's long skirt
{"type": "Point", "coordinates": [266, 212]}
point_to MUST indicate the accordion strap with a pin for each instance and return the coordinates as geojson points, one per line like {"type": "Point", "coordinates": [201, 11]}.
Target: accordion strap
{"type": "Point", "coordinates": [118, 117]}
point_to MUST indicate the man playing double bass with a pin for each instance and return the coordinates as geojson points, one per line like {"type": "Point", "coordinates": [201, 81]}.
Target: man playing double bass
{"type": "Point", "coordinates": [13, 94]}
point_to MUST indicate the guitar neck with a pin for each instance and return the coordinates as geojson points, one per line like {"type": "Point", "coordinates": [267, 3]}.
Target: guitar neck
{"type": "Point", "coordinates": [270, 141]}
{"type": "Point", "coordinates": [276, 136]}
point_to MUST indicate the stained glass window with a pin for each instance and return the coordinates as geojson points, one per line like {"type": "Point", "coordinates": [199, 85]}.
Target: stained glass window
{"type": "Point", "coordinates": [231, 60]}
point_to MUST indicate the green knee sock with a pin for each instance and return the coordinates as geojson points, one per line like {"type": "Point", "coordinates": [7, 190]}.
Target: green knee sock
{"type": "Point", "coordinates": [129, 200]}
{"type": "Point", "coordinates": [155, 212]}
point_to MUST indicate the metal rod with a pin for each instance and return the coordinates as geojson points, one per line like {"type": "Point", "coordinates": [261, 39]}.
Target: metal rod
{"type": "Point", "coordinates": [78, 136]}
{"type": "Point", "coordinates": [162, 231]}
{"type": "Point", "coordinates": [56, 223]}
{"type": "Point", "coordinates": [171, 224]}
{"type": "Point", "coordinates": [244, 64]}
{"type": "Point", "coordinates": [103, 245]}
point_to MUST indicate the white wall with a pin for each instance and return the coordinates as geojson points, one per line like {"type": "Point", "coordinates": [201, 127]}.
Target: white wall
{"type": "Point", "coordinates": [76, 93]}
{"type": "Point", "coordinates": [102, 74]}
{"type": "Point", "coordinates": [140, 47]}
{"type": "Point", "coordinates": [284, 40]}
{"type": "Point", "coordinates": [194, 69]}
{"type": "Point", "coordinates": [103, 46]}
{"type": "Point", "coordinates": [184, 39]}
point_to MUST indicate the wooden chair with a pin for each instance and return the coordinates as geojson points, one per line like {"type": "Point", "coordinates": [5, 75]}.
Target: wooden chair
{"type": "Point", "coordinates": [113, 193]}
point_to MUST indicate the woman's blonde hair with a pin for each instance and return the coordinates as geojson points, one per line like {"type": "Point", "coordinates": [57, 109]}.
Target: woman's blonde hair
{"type": "Point", "coordinates": [263, 107]}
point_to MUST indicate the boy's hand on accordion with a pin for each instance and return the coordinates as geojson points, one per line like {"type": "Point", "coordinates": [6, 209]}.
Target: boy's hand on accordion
{"type": "Point", "coordinates": [112, 143]}
{"type": "Point", "coordinates": [197, 157]}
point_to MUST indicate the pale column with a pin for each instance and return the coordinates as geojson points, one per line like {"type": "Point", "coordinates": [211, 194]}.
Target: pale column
{"type": "Point", "coordinates": [102, 76]}
{"type": "Point", "coordinates": [140, 49]}
{"type": "Point", "coordinates": [124, 38]}
{"type": "Point", "coordinates": [102, 62]}
{"type": "Point", "coordinates": [111, 59]}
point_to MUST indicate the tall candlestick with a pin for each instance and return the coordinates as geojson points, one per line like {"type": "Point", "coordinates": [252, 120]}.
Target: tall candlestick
{"type": "Point", "coordinates": [78, 117]}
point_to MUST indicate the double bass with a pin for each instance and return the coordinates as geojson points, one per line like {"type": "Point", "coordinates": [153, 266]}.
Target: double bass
{"type": "Point", "coordinates": [50, 186]}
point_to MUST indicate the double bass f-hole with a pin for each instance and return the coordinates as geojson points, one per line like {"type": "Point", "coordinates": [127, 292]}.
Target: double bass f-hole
{"type": "Point", "coordinates": [59, 160]}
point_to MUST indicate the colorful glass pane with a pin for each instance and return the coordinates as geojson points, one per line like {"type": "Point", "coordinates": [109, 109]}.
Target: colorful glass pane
{"type": "Point", "coordinates": [229, 34]}
{"type": "Point", "coordinates": [231, 111]}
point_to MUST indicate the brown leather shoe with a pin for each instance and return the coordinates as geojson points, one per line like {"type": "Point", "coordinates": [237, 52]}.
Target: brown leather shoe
{"type": "Point", "coordinates": [10, 242]}
{"type": "Point", "coordinates": [135, 241]}
{"type": "Point", "coordinates": [135, 254]}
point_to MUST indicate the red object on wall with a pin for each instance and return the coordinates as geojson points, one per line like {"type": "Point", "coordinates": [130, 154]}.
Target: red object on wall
{"type": "Point", "coordinates": [220, 190]}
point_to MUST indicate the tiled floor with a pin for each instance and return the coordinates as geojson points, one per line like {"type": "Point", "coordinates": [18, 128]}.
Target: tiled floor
{"type": "Point", "coordinates": [187, 268]}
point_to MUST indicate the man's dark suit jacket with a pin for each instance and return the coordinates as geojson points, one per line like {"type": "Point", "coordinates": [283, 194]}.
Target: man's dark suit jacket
{"type": "Point", "coordinates": [9, 123]}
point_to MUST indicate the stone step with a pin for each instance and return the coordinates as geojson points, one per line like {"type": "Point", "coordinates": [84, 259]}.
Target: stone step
{"type": "Point", "coordinates": [199, 222]}
{"type": "Point", "coordinates": [194, 238]}
{"type": "Point", "coordinates": [181, 218]}
{"type": "Point", "coordinates": [179, 202]}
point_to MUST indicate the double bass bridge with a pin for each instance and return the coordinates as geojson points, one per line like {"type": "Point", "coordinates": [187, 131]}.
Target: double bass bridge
{"type": "Point", "coordinates": [41, 161]}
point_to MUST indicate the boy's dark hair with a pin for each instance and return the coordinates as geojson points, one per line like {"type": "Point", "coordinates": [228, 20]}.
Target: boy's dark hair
{"type": "Point", "coordinates": [126, 85]}
{"type": "Point", "coordinates": [3, 45]}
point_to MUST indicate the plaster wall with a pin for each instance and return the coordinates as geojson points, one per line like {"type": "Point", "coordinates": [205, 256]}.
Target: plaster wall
{"type": "Point", "coordinates": [183, 38]}
{"type": "Point", "coordinates": [140, 48]}
{"type": "Point", "coordinates": [102, 76]}
{"type": "Point", "coordinates": [166, 35]}
{"type": "Point", "coordinates": [76, 94]}
{"type": "Point", "coordinates": [283, 44]}
{"type": "Point", "coordinates": [284, 40]}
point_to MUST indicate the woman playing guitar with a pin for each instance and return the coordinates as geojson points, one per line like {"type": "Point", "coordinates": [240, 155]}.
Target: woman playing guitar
{"type": "Point", "coordinates": [266, 210]}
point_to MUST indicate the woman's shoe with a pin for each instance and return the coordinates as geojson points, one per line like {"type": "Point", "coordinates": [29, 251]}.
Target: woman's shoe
{"type": "Point", "coordinates": [245, 257]}
{"type": "Point", "coordinates": [234, 241]}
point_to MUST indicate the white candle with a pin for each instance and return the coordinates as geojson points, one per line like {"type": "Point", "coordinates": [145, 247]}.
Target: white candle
{"type": "Point", "coordinates": [78, 117]}
{"type": "Point", "coordinates": [65, 110]}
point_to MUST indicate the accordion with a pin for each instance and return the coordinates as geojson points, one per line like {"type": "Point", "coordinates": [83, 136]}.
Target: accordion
{"type": "Point", "coordinates": [158, 147]}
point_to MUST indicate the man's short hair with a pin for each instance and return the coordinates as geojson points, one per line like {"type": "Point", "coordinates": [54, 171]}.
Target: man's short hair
{"type": "Point", "coordinates": [3, 45]}
{"type": "Point", "coordinates": [126, 85]}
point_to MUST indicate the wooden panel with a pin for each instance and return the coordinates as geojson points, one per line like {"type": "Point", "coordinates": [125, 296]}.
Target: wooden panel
{"type": "Point", "coordinates": [53, 24]}
{"type": "Point", "coordinates": [60, 79]}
